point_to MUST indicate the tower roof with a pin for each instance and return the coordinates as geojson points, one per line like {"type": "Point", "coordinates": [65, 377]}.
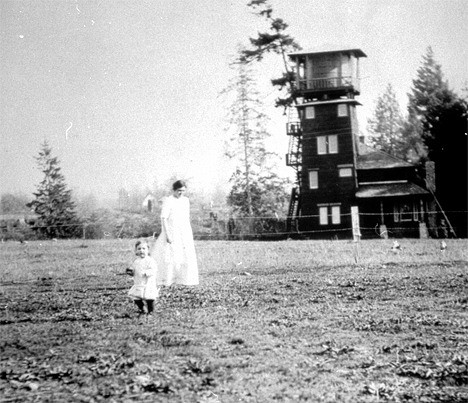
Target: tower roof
{"type": "Point", "coordinates": [356, 51]}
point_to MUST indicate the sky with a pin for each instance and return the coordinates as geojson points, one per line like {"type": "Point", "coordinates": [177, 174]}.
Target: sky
{"type": "Point", "coordinates": [127, 92]}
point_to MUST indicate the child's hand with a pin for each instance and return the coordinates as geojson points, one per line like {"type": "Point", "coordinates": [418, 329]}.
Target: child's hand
{"type": "Point", "coordinates": [149, 273]}
{"type": "Point", "coordinates": [129, 271]}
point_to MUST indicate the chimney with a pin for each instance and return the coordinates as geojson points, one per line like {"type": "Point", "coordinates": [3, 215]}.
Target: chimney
{"type": "Point", "coordinates": [430, 176]}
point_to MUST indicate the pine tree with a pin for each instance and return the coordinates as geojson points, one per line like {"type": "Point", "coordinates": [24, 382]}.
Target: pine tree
{"type": "Point", "coordinates": [246, 142]}
{"type": "Point", "coordinates": [267, 192]}
{"type": "Point", "coordinates": [385, 127]}
{"type": "Point", "coordinates": [440, 115]}
{"type": "Point", "coordinates": [429, 96]}
{"type": "Point", "coordinates": [414, 149]}
{"type": "Point", "coordinates": [428, 86]}
{"type": "Point", "coordinates": [274, 40]}
{"type": "Point", "coordinates": [255, 185]}
{"type": "Point", "coordinates": [53, 201]}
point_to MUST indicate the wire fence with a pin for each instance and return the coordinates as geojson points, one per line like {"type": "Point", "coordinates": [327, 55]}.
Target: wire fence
{"type": "Point", "coordinates": [247, 227]}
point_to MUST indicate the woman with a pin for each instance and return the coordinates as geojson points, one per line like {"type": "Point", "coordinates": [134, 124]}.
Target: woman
{"type": "Point", "coordinates": [174, 250]}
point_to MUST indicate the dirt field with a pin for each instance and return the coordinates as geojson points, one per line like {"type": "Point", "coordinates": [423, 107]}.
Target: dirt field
{"type": "Point", "coordinates": [290, 321]}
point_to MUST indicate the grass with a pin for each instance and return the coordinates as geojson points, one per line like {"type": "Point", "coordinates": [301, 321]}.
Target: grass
{"type": "Point", "coordinates": [290, 321]}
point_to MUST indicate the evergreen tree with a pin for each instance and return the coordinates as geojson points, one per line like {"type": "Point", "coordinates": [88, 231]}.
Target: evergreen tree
{"type": "Point", "coordinates": [429, 97]}
{"type": "Point", "coordinates": [427, 88]}
{"type": "Point", "coordinates": [53, 201]}
{"type": "Point", "coordinates": [267, 191]}
{"type": "Point", "coordinates": [256, 187]}
{"type": "Point", "coordinates": [385, 127]}
{"type": "Point", "coordinates": [414, 149]}
{"type": "Point", "coordinates": [274, 40]}
{"type": "Point", "coordinates": [441, 117]}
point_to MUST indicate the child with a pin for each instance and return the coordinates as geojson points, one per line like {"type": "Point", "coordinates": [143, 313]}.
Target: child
{"type": "Point", "coordinates": [143, 269]}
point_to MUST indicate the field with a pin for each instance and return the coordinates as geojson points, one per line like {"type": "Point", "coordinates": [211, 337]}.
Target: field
{"type": "Point", "coordinates": [289, 321]}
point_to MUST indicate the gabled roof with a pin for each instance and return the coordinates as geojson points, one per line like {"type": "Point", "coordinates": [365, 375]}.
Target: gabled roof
{"type": "Point", "coordinates": [389, 190]}
{"type": "Point", "coordinates": [370, 158]}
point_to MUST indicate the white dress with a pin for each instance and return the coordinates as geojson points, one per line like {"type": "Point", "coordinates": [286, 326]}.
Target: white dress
{"type": "Point", "coordinates": [144, 279]}
{"type": "Point", "coordinates": [177, 261]}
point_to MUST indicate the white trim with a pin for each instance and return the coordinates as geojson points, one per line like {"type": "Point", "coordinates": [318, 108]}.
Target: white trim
{"type": "Point", "coordinates": [330, 102]}
{"type": "Point", "coordinates": [356, 52]}
{"type": "Point", "coordinates": [382, 182]}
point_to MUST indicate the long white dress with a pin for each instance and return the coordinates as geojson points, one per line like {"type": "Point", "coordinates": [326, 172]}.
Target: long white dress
{"type": "Point", "coordinates": [177, 261]}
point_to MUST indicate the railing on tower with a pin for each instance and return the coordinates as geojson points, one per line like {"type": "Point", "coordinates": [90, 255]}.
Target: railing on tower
{"type": "Point", "coordinates": [316, 84]}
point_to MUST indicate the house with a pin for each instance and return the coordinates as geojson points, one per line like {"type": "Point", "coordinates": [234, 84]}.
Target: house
{"type": "Point", "coordinates": [344, 188]}
{"type": "Point", "coordinates": [390, 196]}
{"type": "Point", "coordinates": [149, 203]}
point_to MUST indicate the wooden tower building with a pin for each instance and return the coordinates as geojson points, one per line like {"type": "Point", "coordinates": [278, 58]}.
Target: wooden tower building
{"type": "Point", "coordinates": [329, 159]}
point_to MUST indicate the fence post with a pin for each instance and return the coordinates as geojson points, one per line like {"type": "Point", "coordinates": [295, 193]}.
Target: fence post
{"type": "Point", "coordinates": [355, 223]}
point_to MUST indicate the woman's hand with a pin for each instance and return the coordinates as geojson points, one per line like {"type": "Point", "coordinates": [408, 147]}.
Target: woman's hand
{"type": "Point", "coordinates": [165, 229]}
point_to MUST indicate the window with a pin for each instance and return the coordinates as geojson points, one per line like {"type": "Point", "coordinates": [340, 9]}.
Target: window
{"type": "Point", "coordinates": [330, 214]}
{"type": "Point", "coordinates": [321, 145]}
{"type": "Point", "coordinates": [333, 144]}
{"type": "Point", "coordinates": [327, 144]}
{"type": "Point", "coordinates": [323, 211]}
{"type": "Point", "coordinates": [405, 211]}
{"type": "Point", "coordinates": [310, 112]}
{"type": "Point", "coordinates": [342, 110]}
{"type": "Point", "coordinates": [335, 213]}
{"type": "Point", "coordinates": [313, 179]}
{"type": "Point", "coordinates": [345, 172]}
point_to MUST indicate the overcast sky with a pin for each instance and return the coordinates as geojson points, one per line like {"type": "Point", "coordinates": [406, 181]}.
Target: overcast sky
{"type": "Point", "coordinates": [126, 92]}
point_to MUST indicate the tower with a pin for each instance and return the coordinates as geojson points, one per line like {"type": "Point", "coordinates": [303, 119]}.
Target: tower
{"type": "Point", "coordinates": [324, 140]}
